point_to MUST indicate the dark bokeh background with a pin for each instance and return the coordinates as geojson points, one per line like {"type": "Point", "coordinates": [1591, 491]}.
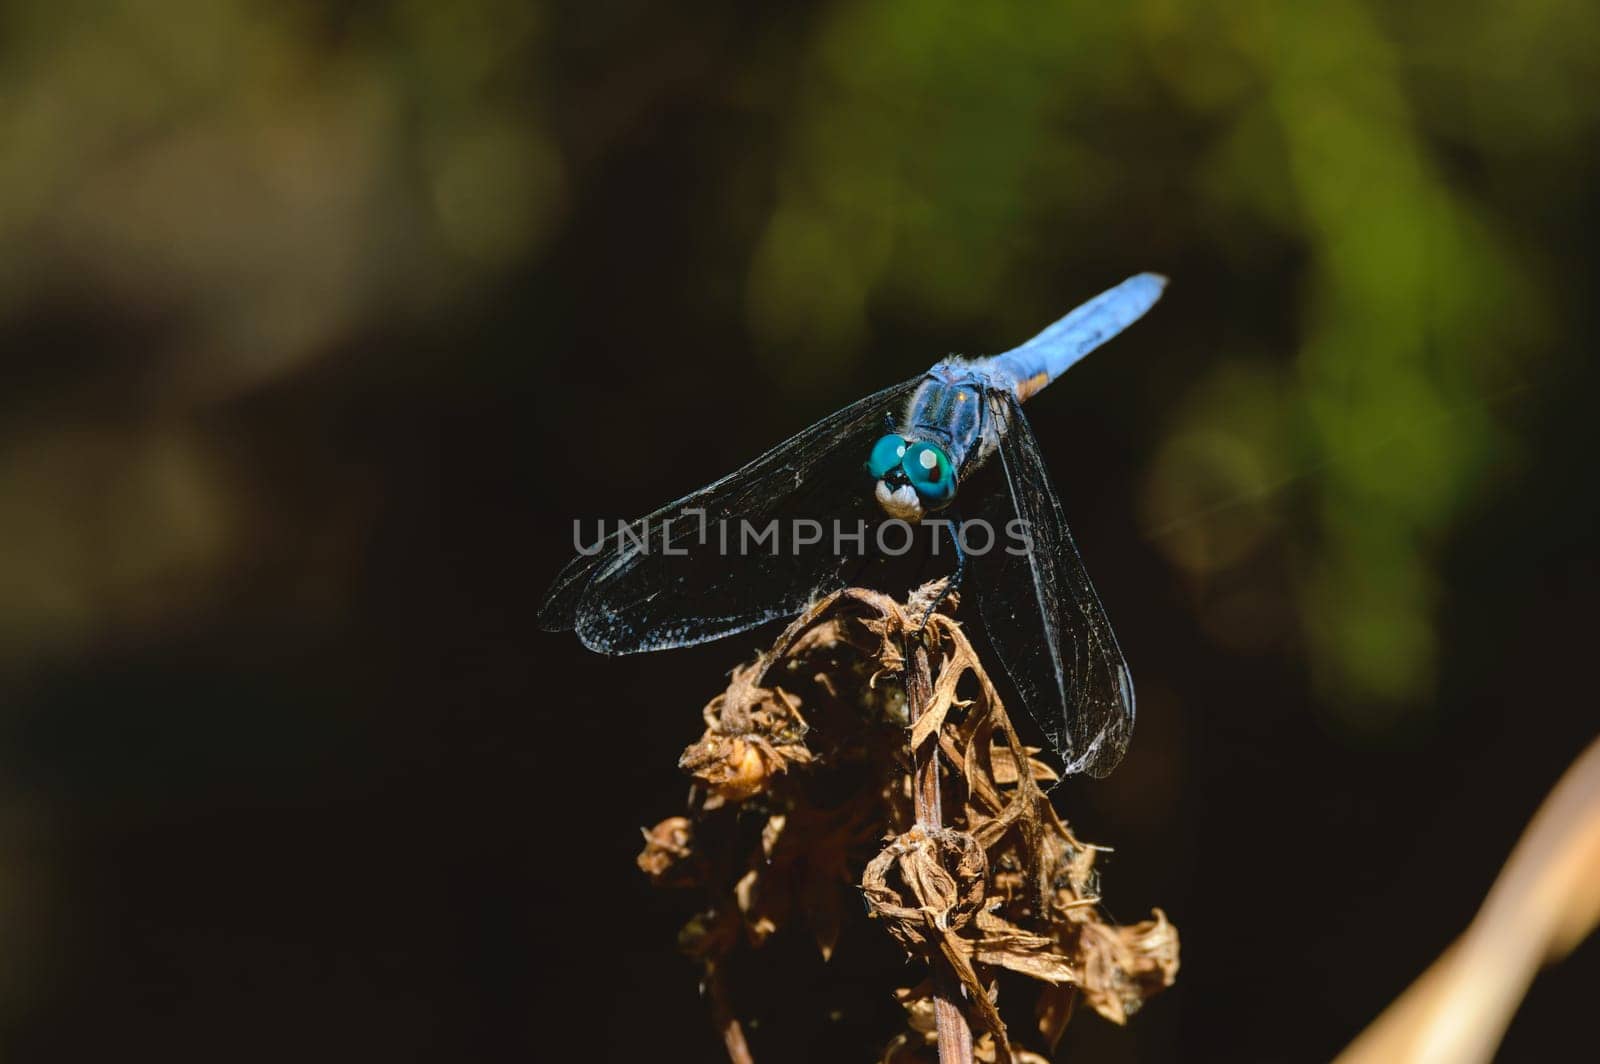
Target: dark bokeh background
{"type": "Point", "coordinates": [321, 326]}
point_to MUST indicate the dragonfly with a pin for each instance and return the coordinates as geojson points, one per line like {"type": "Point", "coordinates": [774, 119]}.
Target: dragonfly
{"type": "Point", "coordinates": [677, 577]}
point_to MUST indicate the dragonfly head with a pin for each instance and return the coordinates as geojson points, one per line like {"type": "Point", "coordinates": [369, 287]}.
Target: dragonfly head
{"type": "Point", "coordinates": [913, 478]}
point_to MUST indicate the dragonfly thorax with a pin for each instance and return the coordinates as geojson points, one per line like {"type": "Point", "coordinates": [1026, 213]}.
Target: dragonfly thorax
{"type": "Point", "coordinates": [947, 408]}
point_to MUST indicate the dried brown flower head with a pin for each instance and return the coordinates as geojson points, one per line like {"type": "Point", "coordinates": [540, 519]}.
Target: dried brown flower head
{"type": "Point", "coordinates": [929, 806]}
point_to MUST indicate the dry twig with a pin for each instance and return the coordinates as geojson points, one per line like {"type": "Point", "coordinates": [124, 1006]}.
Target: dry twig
{"type": "Point", "coordinates": [1545, 901]}
{"type": "Point", "coordinates": [974, 873]}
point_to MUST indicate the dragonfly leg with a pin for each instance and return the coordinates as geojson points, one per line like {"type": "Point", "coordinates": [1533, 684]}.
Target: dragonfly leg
{"type": "Point", "coordinates": [953, 581]}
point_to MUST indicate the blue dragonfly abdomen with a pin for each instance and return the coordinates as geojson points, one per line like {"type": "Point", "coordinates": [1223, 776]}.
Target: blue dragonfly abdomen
{"type": "Point", "coordinates": [1028, 368]}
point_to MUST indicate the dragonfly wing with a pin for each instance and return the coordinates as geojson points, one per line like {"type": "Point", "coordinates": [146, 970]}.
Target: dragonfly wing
{"type": "Point", "coordinates": [1043, 616]}
{"type": "Point", "coordinates": [709, 564]}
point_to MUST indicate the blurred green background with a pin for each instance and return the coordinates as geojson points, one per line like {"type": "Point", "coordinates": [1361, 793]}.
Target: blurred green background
{"type": "Point", "coordinates": [321, 324]}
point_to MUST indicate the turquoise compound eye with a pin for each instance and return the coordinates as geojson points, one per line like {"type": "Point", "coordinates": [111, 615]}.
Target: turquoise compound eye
{"type": "Point", "coordinates": [886, 454]}
{"type": "Point", "coordinates": [930, 472]}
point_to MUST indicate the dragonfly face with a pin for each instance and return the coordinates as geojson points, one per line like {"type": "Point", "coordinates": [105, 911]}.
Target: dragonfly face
{"type": "Point", "coordinates": [913, 478]}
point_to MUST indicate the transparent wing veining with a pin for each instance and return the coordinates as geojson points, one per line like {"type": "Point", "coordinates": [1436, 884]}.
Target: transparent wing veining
{"type": "Point", "coordinates": [710, 564]}
{"type": "Point", "coordinates": [1043, 616]}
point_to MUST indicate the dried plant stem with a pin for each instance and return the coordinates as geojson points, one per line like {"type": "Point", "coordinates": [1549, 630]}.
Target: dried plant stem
{"type": "Point", "coordinates": [726, 1022]}
{"type": "Point", "coordinates": [919, 693]}
{"type": "Point", "coordinates": [1545, 901]}
{"type": "Point", "coordinates": [955, 1035]}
